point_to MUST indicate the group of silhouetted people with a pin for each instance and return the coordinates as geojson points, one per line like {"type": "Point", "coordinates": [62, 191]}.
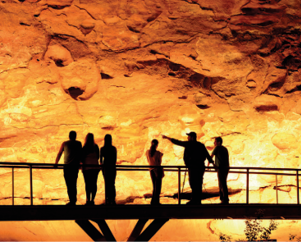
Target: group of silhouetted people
{"type": "Point", "coordinates": [88, 156]}
{"type": "Point", "coordinates": [195, 154]}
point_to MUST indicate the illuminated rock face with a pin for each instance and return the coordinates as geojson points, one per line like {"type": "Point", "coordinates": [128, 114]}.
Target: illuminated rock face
{"type": "Point", "coordinates": [138, 69]}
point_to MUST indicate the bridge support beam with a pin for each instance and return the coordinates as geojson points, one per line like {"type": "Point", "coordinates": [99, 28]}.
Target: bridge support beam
{"type": "Point", "coordinates": [107, 235]}
{"type": "Point", "coordinates": [103, 226]}
{"type": "Point", "coordinates": [152, 229]}
{"type": "Point", "coordinates": [90, 230]}
{"type": "Point", "coordinates": [137, 229]}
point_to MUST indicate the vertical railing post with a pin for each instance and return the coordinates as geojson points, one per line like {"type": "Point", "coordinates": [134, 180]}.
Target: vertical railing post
{"type": "Point", "coordinates": [31, 193]}
{"type": "Point", "coordinates": [179, 185]}
{"type": "Point", "coordinates": [247, 189]}
{"type": "Point", "coordinates": [13, 186]}
{"type": "Point", "coordinates": [276, 189]}
{"type": "Point", "coordinates": [297, 176]}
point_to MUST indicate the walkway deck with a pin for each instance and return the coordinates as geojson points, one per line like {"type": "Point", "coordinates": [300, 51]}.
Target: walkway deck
{"type": "Point", "coordinates": [207, 211]}
{"type": "Point", "coordinates": [83, 215]}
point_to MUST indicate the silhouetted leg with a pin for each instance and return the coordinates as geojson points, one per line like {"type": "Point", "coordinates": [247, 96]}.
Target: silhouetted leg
{"type": "Point", "coordinates": [196, 176]}
{"type": "Point", "coordinates": [200, 181]}
{"type": "Point", "coordinates": [106, 176]}
{"type": "Point", "coordinates": [192, 184]}
{"type": "Point", "coordinates": [112, 187]}
{"type": "Point", "coordinates": [87, 184]}
{"type": "Point", "coordinates": [157, 184]}
{"type": "Point", "coordinates": [110, 176]}
{"type": "Point", "coordinates": [158, 188]}
{"type": "Point", "coordinates": [225, 188]}
{"type": "Point", "coordinates": [222, 180]}
{"type": "Point", "coordinates": [106, 186]}
{"type": "Point", "coordinates": [70, 175]}
{"type": "Point", "coordinates": [94, 184]}
{"type": "Point", "coordinates": [153, 177]}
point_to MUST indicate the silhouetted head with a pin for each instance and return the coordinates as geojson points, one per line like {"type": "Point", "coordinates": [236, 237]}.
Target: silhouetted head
{"type": "Point", "coordinates": [155, 142]}
{"type": "Point", "coordinates": [192, 136]}
{"type": "Point", "coordinates": [218, 141]}
{"type": "Point", "coordinates": [72, 135]}
{"type": "Point", "coordinates": [153, 147]}
{"type": "Point", "coordinates": [108, 140]}
{"type": "Point", "coordinates": [89, 142]}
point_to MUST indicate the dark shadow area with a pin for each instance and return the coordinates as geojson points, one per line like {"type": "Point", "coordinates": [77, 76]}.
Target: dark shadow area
{"type": "Point", "coordinates": [174, 66]}
{"type": "Point", "coordinates": [133, 30]}
{"type": "Point", "coordinates": [24, 24]}
{"type": "Point", "coordinates": [59, 63]}
{"type": "Point", "coordinates": [267, 108]}
{"type": "Point", "coordinates": [58, 7]}
{"type": "Point", "coordinates": [202, 106]}
{"type": "Point", "coordinates": [292, 62]}
{"type": "Point", "coordinates": [105, 76]}
{"type": "Point", "coordinates": [171, 74]}
{"type": "Point", "coordinates": [108, 128]}
{"type": "Point", "coordinates": [297, 88]}
{"type": "Point", "coordinates": [276, 85]}
{"type": "Point", "coordinates": [74, 92]}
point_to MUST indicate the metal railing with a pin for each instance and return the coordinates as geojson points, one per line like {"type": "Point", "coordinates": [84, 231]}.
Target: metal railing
{"type": "Point", "coordinates": [179, 169]}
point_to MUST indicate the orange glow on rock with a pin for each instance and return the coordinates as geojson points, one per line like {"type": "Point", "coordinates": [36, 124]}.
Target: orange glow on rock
{"type": "Point", "coordinates": [140, 69]}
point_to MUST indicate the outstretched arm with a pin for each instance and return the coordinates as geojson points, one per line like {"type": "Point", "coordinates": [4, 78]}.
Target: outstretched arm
{"type": "Point", "coordinates": [165, 137]}
{"type": "Point", "coordinates": [98, 152]}
{"type": "Point", "coordinates": [175, 141]}
{"type": "Point", "coordinates": [100, 156]}
{"type": "Point", "coordinates": [212, 155]}
{"type": "Point", "coordinates": [209, 158]}
{"type": "Point", "coordinates": [59, 154]}
{"type": "Point", "coordinates": [115, 155]}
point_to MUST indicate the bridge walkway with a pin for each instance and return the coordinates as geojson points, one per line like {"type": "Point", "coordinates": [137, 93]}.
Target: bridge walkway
{"type": "Point", "coordinates": [83, 215]}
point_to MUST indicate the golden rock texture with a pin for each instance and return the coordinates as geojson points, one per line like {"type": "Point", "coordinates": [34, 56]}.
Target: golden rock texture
{"type": "Point", "coordinates": [141, 68]}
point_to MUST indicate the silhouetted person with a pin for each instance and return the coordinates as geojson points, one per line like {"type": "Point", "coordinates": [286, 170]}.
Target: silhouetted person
{"type": "Point", "coordinates": [154, 158]}
{"type": "Point", "coordinates": [222, 163]}
{"type": "Point", "coordinates": [195, 154]}
{"type": "Point", "coordinates": [108, 158]}
{"type": "Point", "coordinates": [90, 157]}
{"type": "Point", "coordinates": [72, 157]}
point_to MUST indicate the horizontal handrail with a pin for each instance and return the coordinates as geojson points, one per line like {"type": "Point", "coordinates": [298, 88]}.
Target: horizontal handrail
{"type": "Point", "coordinates": [236, 170]}
{"type": "Point", "coordinates": [14, 164]}
{"type": "Point", "coordinates": [146, 167]}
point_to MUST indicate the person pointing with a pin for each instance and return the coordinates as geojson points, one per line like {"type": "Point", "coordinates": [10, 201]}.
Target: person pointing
{"type": "Point", "coordinates": [195, 154]}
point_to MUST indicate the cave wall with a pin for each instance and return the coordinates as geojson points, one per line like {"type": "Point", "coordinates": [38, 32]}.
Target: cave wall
{"type": "Point", "coordinates": [141, 68]}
